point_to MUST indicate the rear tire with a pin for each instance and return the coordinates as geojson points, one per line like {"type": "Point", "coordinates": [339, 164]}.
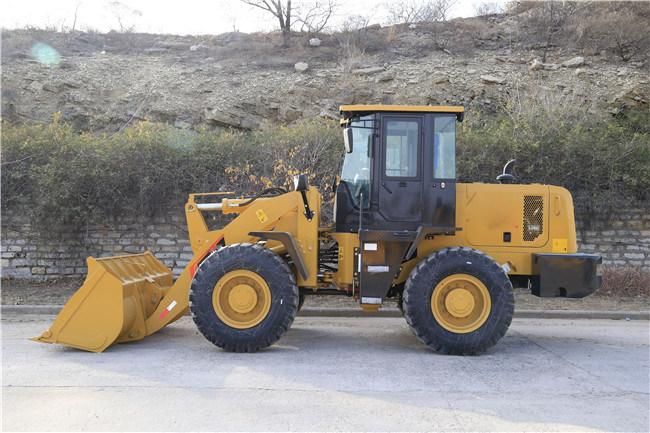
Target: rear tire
{"type": "Point", "coordinates": [255, 302]}
{"type": "Point", "coordinates": [458, 301]}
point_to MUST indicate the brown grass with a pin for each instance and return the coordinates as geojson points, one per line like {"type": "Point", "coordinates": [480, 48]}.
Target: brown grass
{"type": "Point", "coordinates": [625, 281]}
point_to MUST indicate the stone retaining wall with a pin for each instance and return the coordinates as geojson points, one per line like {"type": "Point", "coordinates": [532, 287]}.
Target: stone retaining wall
{"type": "Point", "coordinates": [28, 254]}
{"type": "Point", "coordinates": [623, 239]}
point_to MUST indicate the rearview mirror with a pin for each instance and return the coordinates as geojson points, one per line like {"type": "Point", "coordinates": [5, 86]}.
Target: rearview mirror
{"type": "Point", "coordinates": [300, 182]}
{"type": "Point", "coordinates": [347, 139]}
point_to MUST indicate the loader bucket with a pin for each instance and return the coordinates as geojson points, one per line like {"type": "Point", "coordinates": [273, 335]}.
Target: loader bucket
{"type": "Point", "coordinates": [118, 295]}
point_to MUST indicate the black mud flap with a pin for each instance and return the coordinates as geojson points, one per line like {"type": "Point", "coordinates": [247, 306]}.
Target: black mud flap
{"type": "Point", "coordinates": [566, 275]}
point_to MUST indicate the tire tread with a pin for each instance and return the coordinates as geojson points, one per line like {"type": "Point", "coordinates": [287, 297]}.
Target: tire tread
{"type": "Point", "coordinates": [256, 258]}
{"type": "Point", "coordinates": [436, 337]}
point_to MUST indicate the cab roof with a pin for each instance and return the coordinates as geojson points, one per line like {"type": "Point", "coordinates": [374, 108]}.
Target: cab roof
{"type": "Point", "coordinates": [406, 108]}
{"type": "Point", "coordinates": [353, 109]}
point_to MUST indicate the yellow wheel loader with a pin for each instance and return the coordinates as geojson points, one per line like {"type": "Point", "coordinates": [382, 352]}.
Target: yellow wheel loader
{"type": "Point", "coordinates": [404, 228]}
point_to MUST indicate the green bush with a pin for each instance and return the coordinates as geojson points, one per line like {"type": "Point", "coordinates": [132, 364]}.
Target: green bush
{"type": "Point", "coordinates": [605, 163]}
{"type": "Point", "coordinates": [66, 177]}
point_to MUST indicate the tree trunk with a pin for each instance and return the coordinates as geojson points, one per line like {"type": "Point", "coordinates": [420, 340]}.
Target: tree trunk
{"type": "Point", "coordinates": [286, 30]}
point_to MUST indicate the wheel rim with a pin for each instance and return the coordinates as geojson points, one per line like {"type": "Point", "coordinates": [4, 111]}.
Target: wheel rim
{"type": "Point", "coordinates": [461, 303]}
{"type": "Point", "coordinates": [241, 299]}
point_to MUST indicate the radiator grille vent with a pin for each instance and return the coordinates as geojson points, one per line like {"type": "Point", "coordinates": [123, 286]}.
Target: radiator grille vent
{"type": "Point", "coordinates": [533, 217]}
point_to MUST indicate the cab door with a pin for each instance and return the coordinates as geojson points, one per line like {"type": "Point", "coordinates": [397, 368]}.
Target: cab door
{"type": "Point", "coordinates": [400, 169]}
{"type": "Point", "coordinates": [439, 185]}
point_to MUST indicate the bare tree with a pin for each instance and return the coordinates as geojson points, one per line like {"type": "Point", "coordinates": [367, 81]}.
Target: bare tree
{"type": "Point", "coordinates": [414, 11]}
{"type": "Point", "coordinates": [549, 18]}
{"type": "Point", "coordinates": [281, 10]}
{"type": "Point", "coordinates": [124, 14]}
{"type": "Point", "coordinates": [74, 21]}
{"type": "Point", "coordinates": [620, 28]}
{"type": "Point", "coordinates": [439, 9]}
{"type": "Point", "coordinates": [406, 12]}
{"type": "Point", "coordinates": [313, 17]}
{"type": "Point", "coordinates": [487, 8]}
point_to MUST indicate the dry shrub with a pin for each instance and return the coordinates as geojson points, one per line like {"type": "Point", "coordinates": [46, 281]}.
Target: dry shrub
{"type": "Point", "coordinates": [353, 39]}
{"type": "Point", "coordinates": [621, 29]}
{"type": "Point", "coordinates": [617, 27]}
{"type": "Point", "coordinates": [625, 281]}
{"type": "Point", "coordinates": [63, 177]}
{"type": "Point", "coordinates": [603, 161]}
{"type": "Point", "coordinates": [391, 36]}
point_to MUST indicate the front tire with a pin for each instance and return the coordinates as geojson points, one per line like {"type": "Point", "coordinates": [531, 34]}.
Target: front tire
{"type": "Point", "coordinates": [243, 298]}
{"type": "Point", "coordinates": [458, 301]}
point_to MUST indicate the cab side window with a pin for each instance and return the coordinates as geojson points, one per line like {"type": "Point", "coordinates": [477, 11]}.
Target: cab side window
{"type": "Point", "coordinates": [401, 148]}
{"type": "Point", "coordinates": [444, 147]}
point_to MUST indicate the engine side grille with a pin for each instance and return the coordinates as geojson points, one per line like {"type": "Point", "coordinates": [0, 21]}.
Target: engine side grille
{"type": "Point", "coordinates": [533, 225]}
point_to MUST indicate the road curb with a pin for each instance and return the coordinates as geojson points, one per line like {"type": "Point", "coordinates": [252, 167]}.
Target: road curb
{"type": "Point", "coordinates": [390, 312]}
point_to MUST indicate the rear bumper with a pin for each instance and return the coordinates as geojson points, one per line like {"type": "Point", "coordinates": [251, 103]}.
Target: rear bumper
{"type": "Point", "coordinates": [566, 275]}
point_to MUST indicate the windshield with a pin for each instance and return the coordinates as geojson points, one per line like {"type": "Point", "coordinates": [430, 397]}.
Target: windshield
{"type": "Point", "coordinates": [356, 165]}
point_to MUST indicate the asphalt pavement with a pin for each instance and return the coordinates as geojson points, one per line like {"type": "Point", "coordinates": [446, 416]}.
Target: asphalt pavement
{"type": "Point", "coordinates": [334, 373]}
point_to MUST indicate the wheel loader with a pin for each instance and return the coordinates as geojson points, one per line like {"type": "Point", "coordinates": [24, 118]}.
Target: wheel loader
{"type": "Point", "coordinates": [404, 228]}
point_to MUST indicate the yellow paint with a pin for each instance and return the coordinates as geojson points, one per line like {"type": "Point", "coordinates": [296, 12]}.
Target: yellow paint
{"type": "Point", "coordinates": [261, 216]}
{"type": "Point", "coordinates": [370, 308]}
{"type": "Point", "coordinates": [488, 211]}
{"type": "Point", "coordinates": [126, 298]}
{"type": "Point", "coordinates": [241, 299]}
{"type": "Point", "coordinates": [402, 108]}
{"type": "Point", "coordinates": [482, 223]}
{"type": "Point", "coordinates": [280, 213]}
{"type": "Point", "coordinates": [560, 245]}
{"type": "Point", "coordinates": [113, 303]}
{"type": "Point", "coordinates": [347, 243]}
{"type": "Point", "coordinates": [461, 303]}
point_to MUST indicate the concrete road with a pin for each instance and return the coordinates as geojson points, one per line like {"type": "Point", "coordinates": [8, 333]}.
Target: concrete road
{"type": "Point", "coordinates": [333, 374]}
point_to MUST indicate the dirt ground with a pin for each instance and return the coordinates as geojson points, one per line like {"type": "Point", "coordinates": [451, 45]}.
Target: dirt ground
{"type": "Point", "coordinates": [14, 292]}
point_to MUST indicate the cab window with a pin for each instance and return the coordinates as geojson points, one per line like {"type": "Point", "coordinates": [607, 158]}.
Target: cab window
{"type": "Point", "coordinates": [444, 147]}
{"type": "Point", "coordinates": [356, 165]}
{"type": "Point", "coordinates": [401, 148]}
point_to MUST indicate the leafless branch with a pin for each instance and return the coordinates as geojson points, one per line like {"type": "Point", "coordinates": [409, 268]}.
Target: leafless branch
{"type": "Point", "coordinates": [314, 17]}
{"type": "Point", "coordinates": [74, 21]}
{"type": "Point", "coordinates": [416, 11]}
{"type": "Point", "coordinates": [280, 9]}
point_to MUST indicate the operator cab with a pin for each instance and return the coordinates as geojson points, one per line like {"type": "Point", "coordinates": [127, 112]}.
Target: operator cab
{"type": "Point", "coordinates": [398, 174]}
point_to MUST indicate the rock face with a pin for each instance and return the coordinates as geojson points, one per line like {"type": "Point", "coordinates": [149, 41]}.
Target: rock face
{"type": "Point", "coordinates": [440, 79]}
{"type": "Point", "coordinates": [536, 65]}
{"type": "Point", "coordinates": [231, 118]}
{"type": "Point", "coordinates": [574, 62]}
{"type": "Point", "coordinates": [244, 81]}
{"type": "Point", "coordinates": [386, 76]}
{"type": "Point", "coordinates": [368, 71]}
{"type": "Point", "coordinates": [491, 79]}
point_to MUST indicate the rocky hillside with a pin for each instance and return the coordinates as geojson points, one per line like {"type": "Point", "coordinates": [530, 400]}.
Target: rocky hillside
{"type": "Point", "coordinates": [103, 82]}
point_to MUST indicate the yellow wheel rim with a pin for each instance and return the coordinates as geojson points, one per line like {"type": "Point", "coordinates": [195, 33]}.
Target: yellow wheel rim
{"type": "Point", "coordinates": [461, 303]}
{"type": "Point", "coordinates": [241, 299]}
